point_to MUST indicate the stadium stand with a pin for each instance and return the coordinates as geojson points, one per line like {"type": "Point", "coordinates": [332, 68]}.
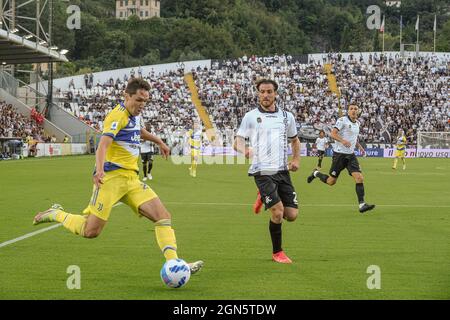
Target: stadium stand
{"type": "Point", "coordinates": [14, 124]}
{"type": "Point", "coordinates": [393, 93]}
{"type": "Point", "coordinates": [171, 111]}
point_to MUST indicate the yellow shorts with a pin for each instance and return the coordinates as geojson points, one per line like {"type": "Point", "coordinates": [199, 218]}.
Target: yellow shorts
{"type": "Point", "coordinates": [400, 153]}
{"type": "Point", "coordinates": [119, 185]}
{"type": "Point", "coordinates": [195, 153]}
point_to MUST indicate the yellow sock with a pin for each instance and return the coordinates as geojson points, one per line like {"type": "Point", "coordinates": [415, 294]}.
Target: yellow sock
{"type": "Point", "coordinates": [165, 236]}
{"type": "Point", "coordinates": [395, 163]}
{"type": "Point", "coordinates": [194, 166]}
{"type": "Point", "coordinates": [75, 223]}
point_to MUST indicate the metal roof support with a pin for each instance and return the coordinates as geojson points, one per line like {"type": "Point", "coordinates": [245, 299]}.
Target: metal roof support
{"type": "Point", "coordinates": [18, 44]}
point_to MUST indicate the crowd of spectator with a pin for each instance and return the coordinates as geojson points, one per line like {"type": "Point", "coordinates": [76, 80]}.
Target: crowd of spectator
{"type": "Point", "coordinates": [392, 93]}
{"type": "Point", "coordinates": [410, 93]}
{"type": "Point", "coordinates": [169, 113]}
{"type": "Point", "coordinates": [15, 125]}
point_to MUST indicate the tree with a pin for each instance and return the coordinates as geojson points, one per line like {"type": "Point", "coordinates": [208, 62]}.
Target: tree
{"type": "Point", "coordinates": [376, 41]}
{"type": "Point", "coordinates": [90, 38]}
{"type": "Point", "coordinates": [152, 57]}
{"type": "Point", "coordinates": [230, 28]}
{"type": "Point", "coordinates": [443, 40]}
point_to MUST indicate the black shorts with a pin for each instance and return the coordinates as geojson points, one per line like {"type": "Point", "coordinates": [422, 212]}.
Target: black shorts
{"type": "Point", "coordinates": [343, 161]}
{"type": "Point", "coordinates": [147, 156]}
{"type": "Point", "coordinates": [321, 153]}
{"type": "Point", "coordinates": [276, 188]}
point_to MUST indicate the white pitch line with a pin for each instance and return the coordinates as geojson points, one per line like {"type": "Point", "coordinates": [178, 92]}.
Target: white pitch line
{"type": "Point", "coordinates": [29, 235]}
{"type": "Point", "coordinates": [32, 234]}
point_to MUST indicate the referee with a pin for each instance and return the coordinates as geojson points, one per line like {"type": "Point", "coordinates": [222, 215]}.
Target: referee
{"type": "Point", "coordinates": [269, 129]}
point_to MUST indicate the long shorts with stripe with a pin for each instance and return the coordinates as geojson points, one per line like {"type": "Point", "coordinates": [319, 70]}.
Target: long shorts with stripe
{"type": "Point", "coordinates": [119, 185]}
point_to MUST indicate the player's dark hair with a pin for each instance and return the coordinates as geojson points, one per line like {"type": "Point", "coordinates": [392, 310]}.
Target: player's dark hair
{"type": "Point", "coordinates": [136, 84]}
{"type": "Point", "coordinates": [266, 81]}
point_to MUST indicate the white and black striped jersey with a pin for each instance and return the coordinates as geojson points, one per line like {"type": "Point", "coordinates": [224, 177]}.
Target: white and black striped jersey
{"type": "Point", "coordinates": [268, 133]}
{"type": "Point", "coordinates": [349, 131]}
{"type": "Point", "coordinates": [147, 146]}
{"type": "Point", "coordinates": [321, 143]}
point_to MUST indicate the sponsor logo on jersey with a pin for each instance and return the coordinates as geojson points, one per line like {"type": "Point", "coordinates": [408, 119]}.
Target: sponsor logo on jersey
{"type": "Point", "coordinates": [136, 137]}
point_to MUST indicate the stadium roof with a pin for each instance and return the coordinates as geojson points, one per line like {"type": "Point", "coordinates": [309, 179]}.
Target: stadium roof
{"type": "Point", "coordinates": [15, 49]}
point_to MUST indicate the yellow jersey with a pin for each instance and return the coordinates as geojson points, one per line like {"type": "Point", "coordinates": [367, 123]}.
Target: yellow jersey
{"type": "Point", "coordinates": [401, 143]}
{"type": "Point", "coordinates": [125, 130]}
{"type": "Point", "coordinates": [195, 139]}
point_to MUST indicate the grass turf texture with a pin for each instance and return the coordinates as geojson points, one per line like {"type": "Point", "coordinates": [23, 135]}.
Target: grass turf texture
{"type": "Point", "coordinates": [331, 243]}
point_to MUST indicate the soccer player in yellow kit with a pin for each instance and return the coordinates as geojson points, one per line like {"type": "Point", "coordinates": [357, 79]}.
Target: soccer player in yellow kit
{"type": "Point", "coordinates": [195, 141]}
{"type": "Point", "coordinates": [116, 177]}
{"type": "Point", "coordinates": [400, 149]}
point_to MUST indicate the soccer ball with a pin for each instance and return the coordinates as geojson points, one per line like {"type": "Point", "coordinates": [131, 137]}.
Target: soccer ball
{"type": "Point", "coordinates": [175, 273]}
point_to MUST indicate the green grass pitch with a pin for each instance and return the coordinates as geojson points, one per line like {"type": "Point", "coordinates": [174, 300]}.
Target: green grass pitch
{"type": "Point", "coordinates": [331, 243]}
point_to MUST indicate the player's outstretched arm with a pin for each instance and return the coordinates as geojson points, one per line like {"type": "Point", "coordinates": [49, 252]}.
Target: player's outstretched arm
{"type": "Point", "coordinates": [100, 155]}
{"type": "Point", "coordinates": [360, 147]}
{"type": "Point", "coordinates": [294, 164]}
{"type": "Point", "coordinates": [239, 146]}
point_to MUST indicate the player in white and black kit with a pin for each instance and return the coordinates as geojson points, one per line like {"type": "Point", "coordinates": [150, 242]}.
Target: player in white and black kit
{"type": "Point", "coordinates": [147, 152]}
{"type": "Point", "coordinates": [345, 132]}
{"type": "Point", "coordinates": [321, 145]}
{"type": "Point", "coordinates": [269, 130]}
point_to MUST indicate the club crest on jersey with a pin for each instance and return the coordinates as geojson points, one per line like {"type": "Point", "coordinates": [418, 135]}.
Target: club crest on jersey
{"type": "Point", "coordinates": [114, 125]}
{"type": "Point", "coordinates": [259, 120]}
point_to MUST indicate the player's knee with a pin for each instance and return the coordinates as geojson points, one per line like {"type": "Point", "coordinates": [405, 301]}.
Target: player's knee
{"type": "Point", "coordinates": [359, 178]}
{"type": "Point", "coordinates": [291, 215]}
{"type": "Point", "coordinates": [277, 213]}
{"type": "Point", "coordinates": [91, 234]}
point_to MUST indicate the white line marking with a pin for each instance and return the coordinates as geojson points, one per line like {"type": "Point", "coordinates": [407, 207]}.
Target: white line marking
{"type": "Point", "coordinates": [32, 234]}
{"type": "Point", "coordinates": [28, 235]}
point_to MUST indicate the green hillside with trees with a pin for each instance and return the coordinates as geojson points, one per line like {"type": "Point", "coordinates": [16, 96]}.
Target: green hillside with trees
{"type": "Point", "coordinates": [217, 29]}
